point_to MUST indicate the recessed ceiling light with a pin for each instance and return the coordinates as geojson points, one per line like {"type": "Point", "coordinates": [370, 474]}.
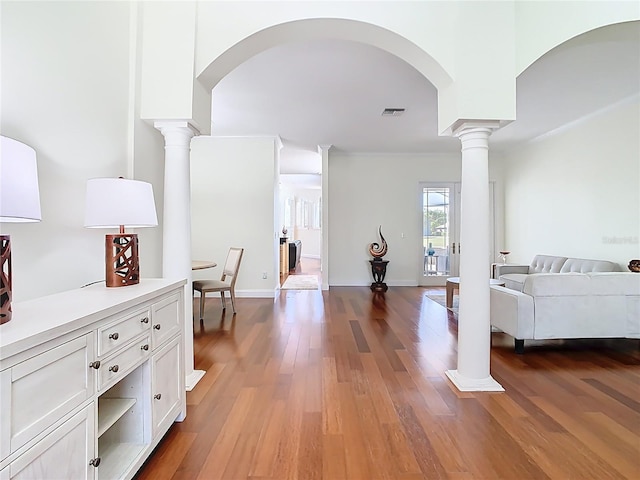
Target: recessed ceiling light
{"type": "Point", "coordinates": [392, 112]}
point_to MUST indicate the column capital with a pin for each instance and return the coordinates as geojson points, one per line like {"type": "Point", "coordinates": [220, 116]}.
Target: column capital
{"type": "Point", "coordinates": [475, 134]}
{"type": "Point", "coordinates": [466, 126]}
{"type": "Point", "coordinates": [176, 130]}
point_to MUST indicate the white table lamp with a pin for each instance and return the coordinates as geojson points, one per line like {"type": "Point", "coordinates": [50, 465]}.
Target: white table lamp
{"type": "Point", "coordinates": [19, 202]}
{"type": "Point", "coordinates": [116, 203]}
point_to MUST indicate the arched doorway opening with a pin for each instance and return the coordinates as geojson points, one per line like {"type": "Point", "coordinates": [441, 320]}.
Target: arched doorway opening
{"type": "Point", "coordinates": [311, 33]}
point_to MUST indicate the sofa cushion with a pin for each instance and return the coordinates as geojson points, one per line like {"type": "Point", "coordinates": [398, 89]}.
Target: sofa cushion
{"type": "Point", "coordinates": [581, 265]}
{"type": "Point", "coordinates": [514, 281]}
{"type": "Point", "coordinates": [614, 283]}
{"type": "Point", "coordinates": [546, 264]}
{"type": "Point", "coordinates": [557, 285]}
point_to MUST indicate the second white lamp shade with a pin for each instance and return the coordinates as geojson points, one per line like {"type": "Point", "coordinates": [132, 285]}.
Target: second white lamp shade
{"type": "Point", "coordinates": [115, 202]}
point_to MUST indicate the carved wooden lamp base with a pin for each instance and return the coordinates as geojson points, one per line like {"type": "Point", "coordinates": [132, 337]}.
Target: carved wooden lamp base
{"type": "Point", "coordinates": [5, 279]}
{"type": "Point", "coordinates": [121, 260]}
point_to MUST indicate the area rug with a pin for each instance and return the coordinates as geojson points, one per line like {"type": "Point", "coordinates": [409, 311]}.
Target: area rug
{"type": "Point", "coordinates": [442, 300]}
{"type": "Point", "coordinates": [300, 282]}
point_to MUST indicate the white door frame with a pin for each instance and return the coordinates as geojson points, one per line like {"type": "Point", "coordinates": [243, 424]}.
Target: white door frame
{"type": "Point", "coordinates": [454, 231]}
{"type": "Point", "coordinates": [454, 195]}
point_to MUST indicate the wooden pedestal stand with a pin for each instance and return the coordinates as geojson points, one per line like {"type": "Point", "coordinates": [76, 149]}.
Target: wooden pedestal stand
{"type": "Point", "coordinates": [379, 270]}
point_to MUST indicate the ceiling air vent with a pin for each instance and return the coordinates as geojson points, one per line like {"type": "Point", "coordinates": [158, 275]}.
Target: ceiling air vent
{"type": "Point", "coordinates": [392, 112]}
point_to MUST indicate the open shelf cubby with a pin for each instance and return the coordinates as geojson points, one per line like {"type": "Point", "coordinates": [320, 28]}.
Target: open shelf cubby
{"type": "Point", "coordinates": [110, 410]}
{"type": "Point", "coordinates": [123, 423]}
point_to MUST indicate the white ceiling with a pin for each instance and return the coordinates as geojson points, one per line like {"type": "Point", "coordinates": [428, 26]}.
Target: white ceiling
{"type": "Point", "coordinates": [332, 92]}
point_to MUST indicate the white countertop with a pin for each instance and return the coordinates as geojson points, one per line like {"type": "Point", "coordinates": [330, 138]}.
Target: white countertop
{"type": "Point", "coordinates": [41, 319]}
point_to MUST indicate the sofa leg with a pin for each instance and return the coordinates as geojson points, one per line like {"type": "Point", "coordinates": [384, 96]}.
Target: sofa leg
{"type": "Point", "coordinates": [519, 346]}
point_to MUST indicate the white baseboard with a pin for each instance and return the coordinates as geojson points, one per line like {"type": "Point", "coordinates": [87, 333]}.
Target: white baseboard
{"type": "Point", "coordinates": [402, 283]}
{"type": "Point", "coordinates": [257, 293]}
{"type": "Point", "coordinates": [394, 283]}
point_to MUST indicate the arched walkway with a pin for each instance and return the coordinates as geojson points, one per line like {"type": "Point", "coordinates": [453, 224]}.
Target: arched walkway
{"type": "Point", "coordinates": [325, 28]}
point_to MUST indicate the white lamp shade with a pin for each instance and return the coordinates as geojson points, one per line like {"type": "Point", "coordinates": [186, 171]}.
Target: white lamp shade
{"type": "Point", "coordinates": [112, 202]}
{"type": "Point", "coordinates": [19, 194]}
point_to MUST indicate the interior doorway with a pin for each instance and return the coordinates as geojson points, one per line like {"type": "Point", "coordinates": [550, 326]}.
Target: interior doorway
{"type": "Point", "coordinates": [301, 219]}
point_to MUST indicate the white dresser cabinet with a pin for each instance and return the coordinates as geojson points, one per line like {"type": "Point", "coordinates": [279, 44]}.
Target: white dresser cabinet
{"type": "Point", "coordinates": [90, 381]}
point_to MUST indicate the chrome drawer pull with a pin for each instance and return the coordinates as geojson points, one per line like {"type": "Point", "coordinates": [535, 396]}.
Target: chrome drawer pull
{"type": "Point", "coordinates": [145, 320]}
{"type": "Point", "coordinates": [157, 396]}
{"type": "Point", "coordinates": [95, 364]}
{"type": "Point", "coordinates": [114, 336]}
{"type": "Point", "coordinates": [157, 326]}
{"type": "Point", "coordinates": [145, 347]}
{"type": "Point", "coordinates": [113, 368]}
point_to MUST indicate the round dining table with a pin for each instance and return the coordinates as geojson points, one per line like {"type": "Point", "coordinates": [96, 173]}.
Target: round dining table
{"type": "Point", "coordinates": [202, 264]}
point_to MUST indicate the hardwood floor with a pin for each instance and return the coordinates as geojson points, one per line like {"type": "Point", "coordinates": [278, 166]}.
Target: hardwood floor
{"type": "Point", "coordinates": [347, 385]}
{"type": "Point", "coordinates": [306, 266]}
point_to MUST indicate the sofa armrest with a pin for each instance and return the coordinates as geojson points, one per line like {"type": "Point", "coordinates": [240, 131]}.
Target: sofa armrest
{"type": "Point", "coordinates": [512, 312]}
{"type": "Point", "coordinates": [504, 268]}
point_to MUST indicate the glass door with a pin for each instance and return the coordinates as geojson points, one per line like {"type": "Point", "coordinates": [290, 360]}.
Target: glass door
{"type": "Point", "coordinates": [440, 253]}
{"type": "Point", "coordinates": [439, 258]}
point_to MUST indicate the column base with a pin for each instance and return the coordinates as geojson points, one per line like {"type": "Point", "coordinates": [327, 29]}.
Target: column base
{"type": "Point", "coordinates": [192, 379]}
{"type": "Point", "coordinates": [465, 384]}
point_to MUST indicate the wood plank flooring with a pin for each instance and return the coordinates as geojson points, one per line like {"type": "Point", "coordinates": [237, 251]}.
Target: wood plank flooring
{"type": "Point", "coordinates": [347, 385]}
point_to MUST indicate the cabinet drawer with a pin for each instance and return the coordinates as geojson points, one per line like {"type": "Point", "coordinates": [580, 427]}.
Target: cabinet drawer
{"type": "Point", "coordinates": [116, 334]}
{"type": "Point", "coordinates": [47, 387]}
{"type": "Point", "coordinates": [114, 368]}
{"type": "Point", "coordinates": [165, 316]}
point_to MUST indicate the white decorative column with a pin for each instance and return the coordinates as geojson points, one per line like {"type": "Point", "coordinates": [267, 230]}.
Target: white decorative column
{"type": "Point", "coordinates": [474, 330]}
{"type": "Point", "coordinates": [324, 252]}
{"type": "Point", "coordinates": [176, 225]}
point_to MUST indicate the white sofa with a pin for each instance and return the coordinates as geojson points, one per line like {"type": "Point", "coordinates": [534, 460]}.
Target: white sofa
{"type": "Point", "coordinates": [514, 275]}
{"type": "Point", "coordinates": [567, 304]}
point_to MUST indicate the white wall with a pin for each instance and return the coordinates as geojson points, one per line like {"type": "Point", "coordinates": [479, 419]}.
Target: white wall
{"type": "Point", "coordinates": [366, 191]}
{"type": "Point", "coordinates": [147, 145]}
{"type": "Point", "coordinates": [575, 193]}
{"type": "Point", "coordinates": [65, 92]}
{"type": "Point", "coordinates": [149, 167]}
{"type": "Point", "coordinates": [232, 205]}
